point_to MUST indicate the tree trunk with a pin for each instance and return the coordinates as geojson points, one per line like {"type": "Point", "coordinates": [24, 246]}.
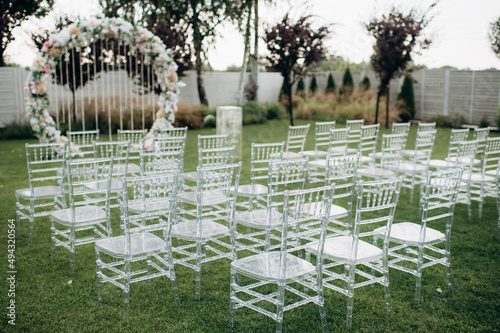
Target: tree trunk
{"type": "Point", "coordinates": [376, 107]}
{"type": "Point", "coordinates": [387, 108]}
{"type": "Point", "coordinates": [2, 50]}
{"type": "Point", "coordinates": [288, 87]}
{"type": "Point", "coordinates": [74, 107]}
{"type": "Point", "coordinates": [245, 58]}
{"type": "Point", "coordinates": [198, 39]}
{"type": "Point", "coordinates": [255, 58]}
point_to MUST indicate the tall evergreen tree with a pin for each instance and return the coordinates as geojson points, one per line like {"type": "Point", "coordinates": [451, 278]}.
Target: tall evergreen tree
{"type": "Point", "coordinates": [406, 99]}
{"type": "Point", "coordinates": [330, 84]}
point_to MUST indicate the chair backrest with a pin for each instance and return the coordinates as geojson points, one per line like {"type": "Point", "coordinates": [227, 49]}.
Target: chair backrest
{"type": "Point", "coordinates": [216, 156]}
{"type": "Point", "coordinates": [423, 127]}
{"type": "Point", "coordinates": [174, 132]}
{"type": "Point", "coordinates": [296, 138]}
{"type": "Point", "coordinates": [161, 162]}
{"type": "Point", "coordinates": [424, 143]}
{"type": "Point", "coordinates": [339, 139]}
{"type": "Point", "coordinates": [375, 207]}
{"type": "Point", "coordinates": [392, 146]}
{"type": "Point", "coordinates": [322, 134]}
{"type": "Point", "coordinates": [285, 174]}
{"type": "Point", "coordinates": [354, 131]}
{"type": "Point", "coordinates": [88, 182]}
{"type": "Point", "coordinates": [438, 198]}
{"type": "Point", "coordinates": [45, 164]}
{"type": "Point", "coordinates": [261, 155]}
{"type": "Point", "coordinates": [491, 156]}
{"type": "Point", "coordinates": [84, 141]}
{"type": "Point", "coordinates": [221, 179]}
{"type": "Point", "coordinates": [169, 143]}
{"type": "Point", "coordinates": [481, 134]}
{"type": "Point", "coordinates": [456, 136]}
{"type": "Point", "coordinates": [400, 128]}
{"type": "Point", "coordinates": [213, 141]}
{"type": "Point", "coordinates": [466, 153]}
{"type": "Point", "coordinates": [368, 141]}
{"type": "Point", "coordinates": [135, 137]}
{"type": "Point", "coordinates": [116, 150]}
{"type": "Point", "coordinates": [301, 207]}
{"type": "Point", "coordinates": [143, 192]}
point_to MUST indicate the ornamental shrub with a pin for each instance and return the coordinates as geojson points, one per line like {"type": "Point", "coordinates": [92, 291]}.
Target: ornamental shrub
{"type": "Point", "coordinates": [275, 111]}
{"type": "Point", "coordinates": [254, 113]}
{"type": "Point", "coordinates": [301, 89]}
{"type": "Point", "coordinates": [330, 84]}
{"type": "Point", "coordinates": [313, 87]}
{"type": "Point", "coordinates": [406, 99]}
{"type": "Point", "coordinates": [347, 85]}
{"type": "Point", "coordinates": [365, 84]}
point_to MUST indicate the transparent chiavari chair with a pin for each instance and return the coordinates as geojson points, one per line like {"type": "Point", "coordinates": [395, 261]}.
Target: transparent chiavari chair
{"type": "Point", "coordinates": [264, 282]}
{"type": "Point", "coordinates": [421, 127]}
{"type": "Point", "coordinates": [162, 162]}
{"type": "Point", "coordinates": [484, 182]}
{"type": "Point", "coordinates": [144, 250]}
{"type": "Point", "coordinates": [480, 135]}
{"type": "Point", "coordinates": [415, 166]}
{"type": "Point", "coordinates": [119, 152]}
{"type": "Point", "coordinates": [466, 153]}
{"type": "Point", "coordinates": [390, 156]}
{"type": "Point", "coordinates": [164, 144]}
{"type": "Point", "coordinates": [258, 223]}
{"type": "Point", "coordinates": [203, 236]}
{"type": "Point", "coordinates": [295, 141]}
{"type": "Point", "coordinates": [368, 144]}
{"type": "Point", "coordinates": [456, 136]}
{"type": "Point", "coordinates": [354, 127]}
{"type": "Point", "coordinates": [350, 261]}
{"type": "Point", "coordinates": [87, 217]}
{"type": "Point", "coordinates": [136, 139]}
{"type": "Point", "coordinates": [81, 143]}
{"type": "Point", "coordinates": [321, 140]}
{"type": "Point", "coordinates": [45, 165]}
{"type": "Point", "coordinates": [174, 132]}
{"type": "Point", "coordinates": [400, 128]}
{"type": "Point", "coordinates": [213, 141]}
{"type": "Point", "coordinates": [415, 246]}
{"type": "Point", "coordinates": [256, 191]}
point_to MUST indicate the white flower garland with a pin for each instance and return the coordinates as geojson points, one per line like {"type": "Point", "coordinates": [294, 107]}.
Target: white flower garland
{"type": "Point", "coordinates": [81, 34]}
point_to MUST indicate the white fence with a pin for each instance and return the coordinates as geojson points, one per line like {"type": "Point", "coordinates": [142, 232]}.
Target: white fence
{"type": "Point", "coordinates": [475, 95]}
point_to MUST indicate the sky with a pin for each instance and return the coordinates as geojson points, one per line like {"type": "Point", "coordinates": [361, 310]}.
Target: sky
{"type": "Point", "coordinates": [458, 29]}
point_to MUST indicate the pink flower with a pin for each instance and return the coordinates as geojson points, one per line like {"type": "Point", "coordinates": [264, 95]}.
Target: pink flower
{"type": "Point", "coordinates": [96, 24]}
{"type": "Point", "coordinates": [47, 44]}
{"type": "Point", "coordinates": [141, 46]}
{"type": "Point", "coordinates": [46, 70]}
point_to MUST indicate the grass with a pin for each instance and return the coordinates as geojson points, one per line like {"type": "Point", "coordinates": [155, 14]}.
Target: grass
{"type": "Point", "coordinates": [48, 300]}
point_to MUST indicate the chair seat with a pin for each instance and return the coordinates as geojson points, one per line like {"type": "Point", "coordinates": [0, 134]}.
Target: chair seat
{"type": "Point", "coordinates": [411, 167]}
{"type": "Point", "coordinates": [439, 164]}
{"type": "Point", "coordinates": [40, 192]}
{"type": "Point", "coordinates": [339, 249]}
{"type": "Point", "coordinates": [193, 175]}
{"type": "Point", "coordinates": [207, 198]}
{"type": "Point", "coordinates": [464, 160]}
{"type": "Point", "coordinates": [84, 215]}
{"type": "Point", "coordinates": [266, 266]}
{"type": "Point", "coordinates": [318, 164]}
{"type": "Point", "coordinates": [116, 185]}
{"type": "Point", "coordinates": [409, 232]}
{"type": "Point", "coordinates": [151, 206]}
{"type": "Point", "coordinates": [140, 244]}
{"type": "Point", "coordinates": [412, 153]}
{"type": "Point", "coordinates": [477, 177]}
{"type": "Point", "coordinates": [131, 168]}
{"type": "Point", "coordinates": [336, 211]}
{"type": "Point", "coordinates": [365, 159]}
{"type": "Point", "coordinates": [376, 172]}
{"type": "Point", "coordinates": [289, 155]}
{"type": "Point", "coordinates": [314, 153]}
{"type": "Point", "coordinates": [187, 230]}
{"type": "Point", "coordinates": [255, 189]}
{"type": "Point", "coordinates": [259, 218]}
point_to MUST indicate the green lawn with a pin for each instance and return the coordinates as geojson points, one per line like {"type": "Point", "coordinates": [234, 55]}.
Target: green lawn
{"type": "Point", "coordinates": [48, 300]}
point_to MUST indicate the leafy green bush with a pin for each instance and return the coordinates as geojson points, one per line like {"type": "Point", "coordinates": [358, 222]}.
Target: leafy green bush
{"type": "Point", "coordinates": [452, 121]}
{"type": "Point", "coordinates": [301, 88]}
{"type": "Point", "coordinates": [484, 122]}
{"type": "Point", "coordinates": [275, 111]}
{"type": "Point", "coordinates": [330, 84]}
{"type": "Point", "coordinates": [313, 87]}
{"type": "Point", "coordinates": [365, 84]}
{"type": "Point", "coordinates": [347, 86]}
{"type": "Point", "coordinates": [497, 118]}
{"type": "Point", "coordinates": [254, 113]}
{"type": "Point", "coordinates": [406, 99]}
{"type": "Point", "coordinates": [17, 131]}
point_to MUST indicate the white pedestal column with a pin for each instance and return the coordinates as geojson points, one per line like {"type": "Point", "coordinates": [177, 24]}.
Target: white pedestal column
{"type": "Point", "coordinates": [230, 121]}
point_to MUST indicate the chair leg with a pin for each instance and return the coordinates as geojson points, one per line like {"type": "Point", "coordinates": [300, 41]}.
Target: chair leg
{"type": "Point", "coordinates": [350, 295]}
{"type": "Point", "coordinates": [232, 307]}
{"type": "Point", "coordinates": [126, 292]}
{"type": "Point", "coordinates": [31, 220]}
{"type": "Point", "coordinates": [387, 289]}
{"type": "Point", "coordinates": [198, 271]}
{"type": "Point", "coordinates": [53, 241]}
{"type": "Point", "coordinates": [72, 252]}
{"type": "Point", "coordinates": [279, 306]}
{"type": "Point", "coordinates": [322, 312]}
{"type": "Point", "coordinates": [98, 273]}
{"type": "Point", "coordinates": [418, 285]}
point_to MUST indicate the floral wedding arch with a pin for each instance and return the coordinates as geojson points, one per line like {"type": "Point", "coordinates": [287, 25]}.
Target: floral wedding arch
{"type": "Point", "coordinates": [81, 34]}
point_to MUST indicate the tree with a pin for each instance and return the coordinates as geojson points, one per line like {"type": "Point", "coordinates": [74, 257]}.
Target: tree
{"type": "Point", "coordinates": [406, 99]}
{"type": "Point", "coordinates": [301, 88]}
{"type": "Point", "coordinates": [330, 84]}
{"type": "Point", "coordinates": [397, 35]}
{"type": "Point", "coordinates": [494, 36]}
{"type": "Point", "coordinates": [293, 47]}
{"type": "Point", "coordinates": [365, 84]}
{"type": "Point", "coordinates": [313, 87]}
{"type": "Point", "coordinates": [347, 84]}
{"type": "Point", "coordinates": [13, 13]}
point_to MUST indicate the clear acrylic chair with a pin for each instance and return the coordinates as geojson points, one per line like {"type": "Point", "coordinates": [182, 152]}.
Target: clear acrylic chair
{"type": "Point", "coordinates": [203, 235]}
{"type": "Point", "coordinates": [161, 162]}
{"type": "Point", "coordinates": [45, 165]}
{"type": "Point", "coordinates": [295, 141]}
{"type": "Point", "coordinates": [466, 153]}
{"type": "Point", "coordinates": [258, 223]}
{"type": "Point", "coordinates": [87, 217]}
{"type": "Point", "coordinates": [390, 156]}
{"type": "Point", "coordinates": [415, 166]}
{"type": "Point", "coordinates": [480, 135]}
{"type": "Point", "coordinates": [136, 139]}
{"type": "Point", "coordinates": [415, 246]}
{"type": "Point", "coordinates": [368, 144]}
{"type": "Point", "coordinates": [168, 143]}
{"type": "Point", "coordinates": [144, 250]}
{"type": "Point", "coordinates": [421, 127]}
{"type": "Point", "coordinates": [483, 181]}
{"type": "Point", "coordinates": [321, 140]}
{"type": "Point", "coordinates": [81, 143]}
{"type": "Point", "coordinates": [351, 261]}
{"type": "Point", "coordinates": [354, 127]}
{"type": "Point", "coordinates": [260, 156]}
{"type": "Point", "coordinates": [174, 132]}
{"type": "Point", "coordinates": [264, 282]}
{"type": "Point", "coordinates": [456, 136]}
{"type": "Point", "coordinates": [400, 128]}
{"type": "Point", "coordinates": [213, 141]}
